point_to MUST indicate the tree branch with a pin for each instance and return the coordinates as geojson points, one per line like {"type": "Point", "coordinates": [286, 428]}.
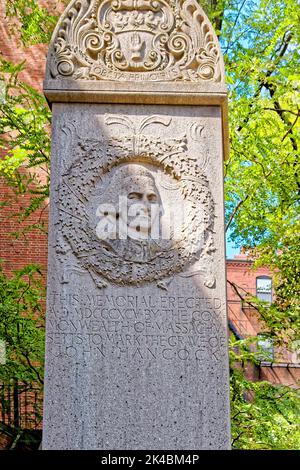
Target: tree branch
{"type": "Point", "coordinates": [33, 368]}
{"type": "Point", "coordinates": [237, 208]}
{"type": "Point", "coordinates": [236, 290]}
{"type": "Point", "coordinates": [234, 25]}
{"type": "Point", "coordinates": [282, 111]}
{"type": "Point", "coordinates": [290, 130]}
{"type": "Point", "coordinates": [264, 80]}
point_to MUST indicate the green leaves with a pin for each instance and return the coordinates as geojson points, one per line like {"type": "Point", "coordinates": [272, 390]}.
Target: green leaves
{"type": "Point", "coordinates": [24, 138]}
{"type": "Point", "coordinates": [263, 416]}
{"type": "Point", "coordinates": [22, 325]}
{"type": "Point", "coordinates": [260, 41]}
{"type": "Point", "coordinates": [35, 24]}
{"type": "Point", "coordinates": [12, 161]}
{"type": "Point", "coordinates": [263, 173]}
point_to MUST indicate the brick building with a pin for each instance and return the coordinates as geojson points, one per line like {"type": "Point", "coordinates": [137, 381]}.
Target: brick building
{"type": "Point", "coordinates": [282, 366]}
{"type": "Point", "coordinates": [277, 366]}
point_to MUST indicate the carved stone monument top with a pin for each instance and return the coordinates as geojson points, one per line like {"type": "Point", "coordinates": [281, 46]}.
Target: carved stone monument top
{"type": "Point", "coordinates": [165, 49]}
{"type": "Point", "coordinates": [162, 41]}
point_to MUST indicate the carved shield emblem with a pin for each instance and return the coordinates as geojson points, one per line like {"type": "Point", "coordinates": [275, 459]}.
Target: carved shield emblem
{"type": "Point", "coordinates": [128, 40]}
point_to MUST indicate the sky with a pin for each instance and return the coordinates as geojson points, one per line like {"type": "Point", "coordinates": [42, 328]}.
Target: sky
{"type": "Point", "coordinates": [231, 250]}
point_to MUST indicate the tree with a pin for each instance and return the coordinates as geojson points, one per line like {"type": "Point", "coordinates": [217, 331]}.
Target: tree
{"type": "Point", "coordinates": [24, 136]}
{"type": "Point", "coordinates": [263, 416]}
{"type": "Point", "coordinates": [260, 41]}
{"type": "Point", "coordinates": [22, 334]}
{"type": "Point", "coordinates": [262, 175]}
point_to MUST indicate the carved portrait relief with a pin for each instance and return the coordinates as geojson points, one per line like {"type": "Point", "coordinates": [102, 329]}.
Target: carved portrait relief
{"type": "Point", "coordinates": [130, 214]}
{"type": "Point", "coordinates": [144, 209]}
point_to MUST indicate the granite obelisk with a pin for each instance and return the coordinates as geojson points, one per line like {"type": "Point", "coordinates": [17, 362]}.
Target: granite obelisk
{"type": "Point", "coordinates": [136, 351]}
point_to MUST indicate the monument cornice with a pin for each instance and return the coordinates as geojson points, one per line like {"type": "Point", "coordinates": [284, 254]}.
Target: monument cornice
{"type": "Point", "coordinates": [155, 93]}
{"type": "Point", "coordinates": [152, 93]}
{"type": "Point", "coordinates": [137, 52]}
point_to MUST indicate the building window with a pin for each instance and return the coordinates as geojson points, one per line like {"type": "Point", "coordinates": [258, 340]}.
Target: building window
{"type": "Point", "coordinates": [295, 354]}
{"type": "Point", "coordinates": [265, 347]}
{"type": "Point", "coordinates": [264, 288]}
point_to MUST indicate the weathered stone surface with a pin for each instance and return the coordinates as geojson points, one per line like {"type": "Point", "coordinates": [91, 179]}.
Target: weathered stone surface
{"type": "Point", "coordinates": [135, 40]}
{"type": "Point", "coordinates": [136, 353]}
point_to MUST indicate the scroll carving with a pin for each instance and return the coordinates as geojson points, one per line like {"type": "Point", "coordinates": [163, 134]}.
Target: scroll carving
{"type": "Point", "coordinates": [135, 40]}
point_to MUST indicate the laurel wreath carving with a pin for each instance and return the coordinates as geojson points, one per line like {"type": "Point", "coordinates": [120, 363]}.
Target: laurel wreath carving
{"type": "Point", "coordinates": [96, 158]}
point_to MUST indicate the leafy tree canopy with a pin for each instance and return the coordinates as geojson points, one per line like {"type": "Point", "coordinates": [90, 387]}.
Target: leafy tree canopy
{"type": "Point", "coordinates": [22, 326]}
{"type": "Point", "coordinates": [260, 43]}
{"type": "Point", "coordinates": [263, 416]}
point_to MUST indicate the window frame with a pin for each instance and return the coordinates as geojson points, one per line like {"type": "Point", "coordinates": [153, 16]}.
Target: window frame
{"type": "Point", "coordinates": [264, 277]}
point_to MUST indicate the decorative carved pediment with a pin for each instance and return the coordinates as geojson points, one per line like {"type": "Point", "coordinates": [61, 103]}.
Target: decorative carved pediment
{"type": "Point", "coordinates": [135, 40]}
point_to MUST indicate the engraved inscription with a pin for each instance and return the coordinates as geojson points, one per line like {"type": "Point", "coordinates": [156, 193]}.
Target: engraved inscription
{"type": "Point", "coordinates": [142, 327]}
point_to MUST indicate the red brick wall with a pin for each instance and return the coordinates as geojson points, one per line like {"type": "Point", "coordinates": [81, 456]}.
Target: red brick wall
{"type": "Point", "coordinates": [31, 248]}
{"type": "Point", "coordinates": [245, 320]}
{"type": "Point", "coordinates": [240, 273]}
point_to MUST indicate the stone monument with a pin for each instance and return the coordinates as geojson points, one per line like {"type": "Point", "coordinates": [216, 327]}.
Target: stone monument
{"type": "Point", "coordinates": [136, 350]}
